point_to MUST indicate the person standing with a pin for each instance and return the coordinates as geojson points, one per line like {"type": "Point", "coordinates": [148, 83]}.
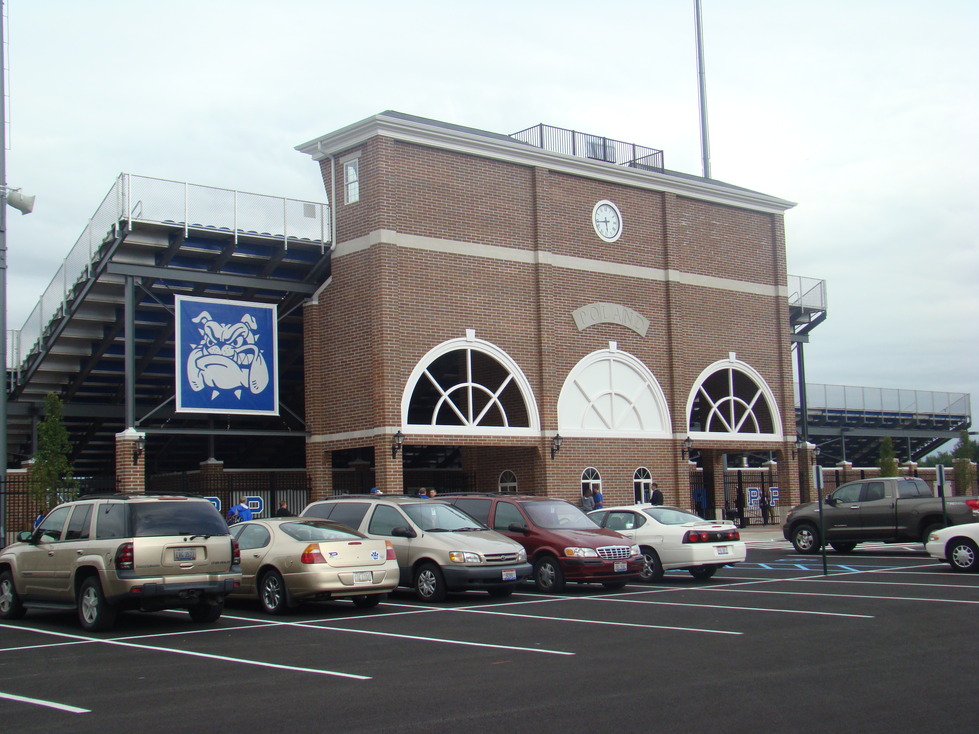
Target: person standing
{"type": "Point", "coordinates": [764, 499]}
{"type": "Point", "coordinates": [240, 512]}
{"type": "Point", "coordinates": [283, 510]}
{"type": "Point", "coordinates": [657, 495]}
{"type": "Point", "coordinates": [739, 507]}
{"type": "Point", "coordinates": [587, 502]}
{"type": "Point", "coordinates": [597, 498]}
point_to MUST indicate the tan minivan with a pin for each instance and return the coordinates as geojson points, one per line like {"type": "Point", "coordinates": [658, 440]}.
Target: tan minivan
{"type": "Point", "coordinates": [439, 548]}
{"type": "Point", "coordinates": [106, 554]}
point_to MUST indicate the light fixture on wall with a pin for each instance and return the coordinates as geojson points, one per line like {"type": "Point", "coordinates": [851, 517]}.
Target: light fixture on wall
{"type": "Point", "coordinates": [138, 448]}
{"type": "Point", "coordinates": [685, 449]}
{"type": "Point", "coordinates": [556, 444]}
{"type": "Point", "coordinates": [797, 448]}
{"type": "Point", "coordinates": [397, 443]}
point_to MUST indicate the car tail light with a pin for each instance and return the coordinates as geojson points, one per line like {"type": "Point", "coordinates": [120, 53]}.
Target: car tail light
{"type": "Point", "coordinates": [235, 553]}
{"type": "Point", "coordinates": [312, 554]}
{"type": "Point", "coordinates": [731, 535]}
{"type": "Point", "coordinates": [391, 556]}
{"type": "Point", "coordinates": [124, 557]}
{"type": "Point", "coordinates": [974, 504]}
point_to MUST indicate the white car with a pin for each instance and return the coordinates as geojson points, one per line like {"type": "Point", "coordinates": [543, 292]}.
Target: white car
{"type": "Point", "coordinates": [671, 538]}
{"type": "Point", "coordinates": [957, 544]}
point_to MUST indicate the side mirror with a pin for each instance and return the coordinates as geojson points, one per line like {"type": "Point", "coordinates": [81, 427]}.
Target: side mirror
{"type": "Point", "coordinates": [830, 500]}
{"type": "Point", "coordinates": [403, 531]}
{"type": "Point", "coordinates": [24, 536]}
{"type": "Point", "coordinates": [516, 527]}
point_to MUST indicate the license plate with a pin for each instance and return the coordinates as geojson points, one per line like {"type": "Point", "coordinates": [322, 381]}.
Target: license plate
{"type": "Point", "coordinates": [723, 550]}
{"type": "Point", "coordinates": [509, 574]}
{"type": "Point", "coordinates": [621, 566]}
{"type": "Point", "coordinates": [185, 554]}
{"type": "Point", "coordinates": [363, 577]}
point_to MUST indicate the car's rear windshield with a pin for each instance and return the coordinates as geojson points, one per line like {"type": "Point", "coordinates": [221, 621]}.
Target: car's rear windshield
{"type": "Point", "coordinates": [558, 515]}
{"type": "Point", "coordinates": [315, 532]}
{"type": "Point", "coordinates": [176, 517]}
{"type": "Point", "coordinates": [669, 516]}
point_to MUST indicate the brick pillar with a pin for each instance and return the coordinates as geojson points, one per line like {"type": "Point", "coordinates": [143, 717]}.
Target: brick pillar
{"type": "Point", "coordinates": [130, 462]}
{"type": "Point", "coordinates": [388, 471]}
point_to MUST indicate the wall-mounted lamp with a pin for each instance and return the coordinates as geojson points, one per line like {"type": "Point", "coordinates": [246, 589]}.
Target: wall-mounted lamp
{"type": "Point", "coordinates": [815, 454]}
{"type": "Point", "coordinates": [685, 449]}
{"type": "Point", "coordinates": [138, 448]}
{"type": "Point", "coordinates": [797, 448]}
{"type": "Point", "coordinates": [556, 444]}
{"type": "Point", "coordinates": [397, 443]}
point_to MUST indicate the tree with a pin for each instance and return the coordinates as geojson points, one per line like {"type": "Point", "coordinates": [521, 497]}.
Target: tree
{"type": "Point", "coordinates": [966, 448]}
{"type": "Point", "coordinates": [51, 475]}
{"type": "Point", "coordinates": [888, 459]}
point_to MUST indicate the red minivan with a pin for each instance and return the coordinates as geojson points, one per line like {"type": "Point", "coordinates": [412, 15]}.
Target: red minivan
{"type": "Point", "coordinates": [562, 542]}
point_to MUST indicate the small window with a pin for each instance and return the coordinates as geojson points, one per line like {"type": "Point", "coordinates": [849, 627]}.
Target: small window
{"type": "Point", "coordinates": [351, 180]}
{"type": "Point", "coordinates": [384, 520]}
{"type": "Point", "coordinates": [477, 508]}
{"type": "Point", "coordinates": [111, 521]}
{"type": "Point", "coordinates": [78, 525]}
{"type": "Point", "coordinates": [642, 485]}
{"type": "Point", "coordinates": [506, 515]}
{"type": "Point", "coordinates": [51, 529]}
{"type": "Point", "coordinates": [508, 481]}
{"type": "Point", "coordinates": [253, 536]}
{"type": "Point", "coordinates": [873, 491]}
{"type": "Point", "coordinates": [848, 493]}
{"type": "Point", "coordinates": [591, 479]}
{"type": "Point", "coordinates": [349, 513]}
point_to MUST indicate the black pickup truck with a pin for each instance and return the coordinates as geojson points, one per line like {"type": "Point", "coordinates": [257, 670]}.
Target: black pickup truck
{"type": "Point", "coordinates": [884, 510]}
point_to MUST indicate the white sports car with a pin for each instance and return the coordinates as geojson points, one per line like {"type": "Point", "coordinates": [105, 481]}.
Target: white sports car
{"type": "Point", "coordinates": [672, 538]}
{"type": "Point", "coordinates": [957, 544]}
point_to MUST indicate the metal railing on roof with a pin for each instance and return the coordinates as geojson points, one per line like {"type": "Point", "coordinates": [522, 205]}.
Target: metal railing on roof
{"type": "Point", "coordinates": [808, 293]}
{"type": "Point", "coordinates": [596, 147]}
{"type": "Point", "coordinates": [884, 401]}
{"type": "Point", "coordinates": [173, 203]}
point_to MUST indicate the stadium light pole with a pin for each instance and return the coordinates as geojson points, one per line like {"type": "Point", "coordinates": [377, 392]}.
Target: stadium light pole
{"type": "Point", "coordinates": [24, 204]}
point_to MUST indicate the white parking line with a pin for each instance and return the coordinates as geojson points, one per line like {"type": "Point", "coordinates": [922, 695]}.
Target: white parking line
{"type": "Point", "coordinates": [190, 653]}
{"type": "Point", "coordinates": [46, 704]}
{"type": "Point", "coordinates": [734, 608]}
{"type": "Point", "coordinates": [598, 621]}
{"type": "Point", "coordinates": [314, 625]}
{"type": "Point", "coordinates": [841, 596]}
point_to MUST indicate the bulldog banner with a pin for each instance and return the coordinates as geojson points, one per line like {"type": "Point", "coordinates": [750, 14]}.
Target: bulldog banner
{"type": "Point", "coordinates": [226, 360]}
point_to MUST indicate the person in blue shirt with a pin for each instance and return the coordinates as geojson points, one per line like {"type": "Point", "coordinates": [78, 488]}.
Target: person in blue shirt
{"type": "Point", "coordinates": [240, 512]}
{"type": "Point", "coordinates": [597, 498]}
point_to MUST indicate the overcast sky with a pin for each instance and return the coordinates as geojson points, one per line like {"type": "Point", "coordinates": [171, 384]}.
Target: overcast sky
{"type": "Point", "coordinates": [863, 112]}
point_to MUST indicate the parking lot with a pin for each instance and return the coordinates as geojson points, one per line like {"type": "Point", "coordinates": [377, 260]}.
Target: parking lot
{"type": "Point", "coordinates": [885, 642]}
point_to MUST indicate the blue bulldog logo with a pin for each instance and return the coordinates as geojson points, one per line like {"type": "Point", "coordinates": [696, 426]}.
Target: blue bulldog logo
{"type": "Point", "coordinates": [227, 358]}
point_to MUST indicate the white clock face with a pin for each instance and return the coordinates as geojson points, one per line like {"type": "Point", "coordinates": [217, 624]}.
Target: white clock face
{"type": "Point", "coordinates": [607, 221]}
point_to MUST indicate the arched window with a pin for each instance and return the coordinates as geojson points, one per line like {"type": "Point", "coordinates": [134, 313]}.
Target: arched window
{"type": "Point", "coordinates": [469, 386]}
{"type": "Point", "coordinates": [508, 481]}
{"type": "Point", "coordinates": [591, 479]}
{"type": "Point", "coordinates": [730, 398]}
{"type": "Point", "coordinates": [610, 392]}
{"type": "Point", "coordinates": [642, 484]}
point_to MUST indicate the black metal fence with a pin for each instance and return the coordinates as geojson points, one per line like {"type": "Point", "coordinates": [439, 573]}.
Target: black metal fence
{"type": "Point", "coordinates": [596, 147]}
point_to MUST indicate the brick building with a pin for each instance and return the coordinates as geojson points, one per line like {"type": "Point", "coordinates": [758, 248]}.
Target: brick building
{"type": "Point", "coordinates": [542, 311]}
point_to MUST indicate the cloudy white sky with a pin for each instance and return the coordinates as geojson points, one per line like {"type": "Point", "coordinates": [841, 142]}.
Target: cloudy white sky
{"type": "Point", "coordinates": [862, 112]}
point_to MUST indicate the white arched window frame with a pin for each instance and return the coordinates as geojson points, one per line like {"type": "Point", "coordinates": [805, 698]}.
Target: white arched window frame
{"type": "Point", "coordinates": [591, 479]}
{"type": "Point", "coordinates": [611, 393]}
{"type": "Point", "coordinates": [469, 382]}
{"type": "Point", "coordinates": [508, 481]}
{"type": "Point", "coordinates": [739, 414]}
{"type": "Point", "coordinates": [642, 484]}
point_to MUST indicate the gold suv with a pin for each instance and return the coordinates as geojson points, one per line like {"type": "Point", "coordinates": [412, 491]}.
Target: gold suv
{"type": "Point", "coordinates": [106, 554]}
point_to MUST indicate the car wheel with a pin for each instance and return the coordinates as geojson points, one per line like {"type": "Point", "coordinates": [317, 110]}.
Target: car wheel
{"type": "Point", "coordinates": [702, 573]}
{"type": "Point", "coordinates": [805, 539]}
{"type": "Point", "coordinates": [843, 547]}
{"type": "Point", "coordinates": [206, 611]}
{"type": "Point", "coordinates": [272, 592]}
{"type": "Point", "coordinates": [548, 575]}
{"type": "Point", "coordinates": [929, 530]}
{"type": "Point", "coordinates": [500, 592]}
{"type": "Point", "coordinates": [94, 613]}
{"type": "Point", "coordinates": [962, 555]}
{"type": "Point", "coordinates": [429, 583]}
{"type": "Point", "coordinates": [652, 567]}
{"type": "Point", "coordinates": [366, 601]}
{"type": "Point", "coordinates": [10, 604]}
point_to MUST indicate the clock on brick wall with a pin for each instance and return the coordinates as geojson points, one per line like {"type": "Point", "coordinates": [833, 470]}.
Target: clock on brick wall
{"type": "Point", "coordinates": [607, 220]}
